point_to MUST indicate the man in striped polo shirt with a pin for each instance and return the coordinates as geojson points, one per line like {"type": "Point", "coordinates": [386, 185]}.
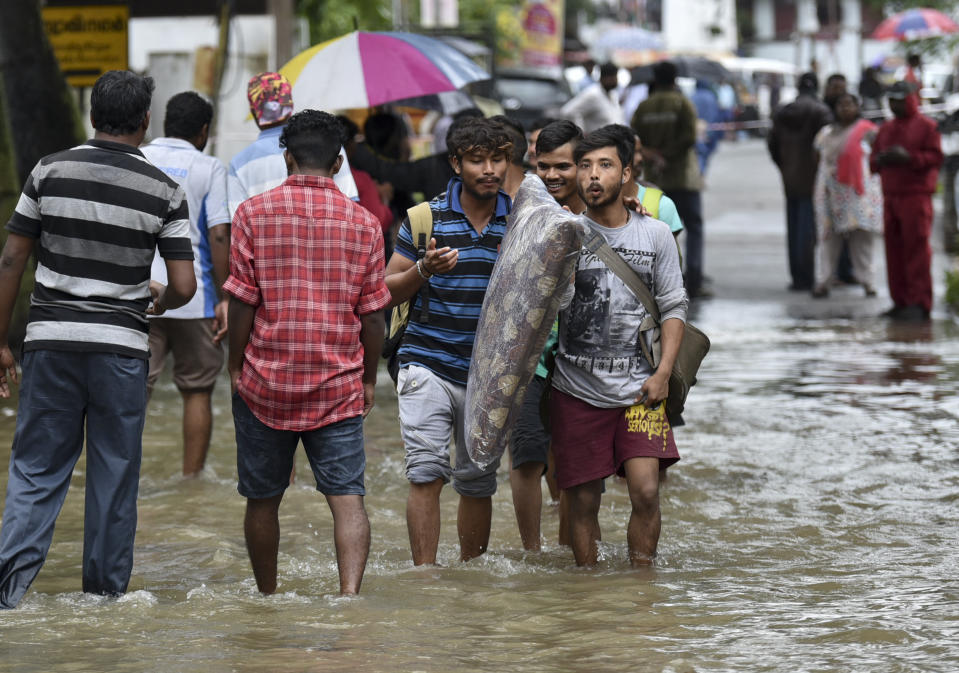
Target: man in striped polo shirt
{"type": "Point", "coordinates": [193, 332]}
{"type": "Point", "coordinates": [94, 214]}
{"type": "Point", "coordinates": [469, 221]}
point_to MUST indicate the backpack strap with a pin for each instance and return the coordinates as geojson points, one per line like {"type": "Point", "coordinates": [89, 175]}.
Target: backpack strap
{"type": "Point", "coordinates": [421, 228]}
{"type": "Point", "coordinates": [651, 200]}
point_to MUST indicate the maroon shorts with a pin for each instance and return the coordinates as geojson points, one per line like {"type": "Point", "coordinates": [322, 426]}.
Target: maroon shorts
{"type": "Point", "coordinates": [591, 443]}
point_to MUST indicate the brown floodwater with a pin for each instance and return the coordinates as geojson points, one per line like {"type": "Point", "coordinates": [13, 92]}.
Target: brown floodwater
{"type": "Point", "coordinates": [812, 525]}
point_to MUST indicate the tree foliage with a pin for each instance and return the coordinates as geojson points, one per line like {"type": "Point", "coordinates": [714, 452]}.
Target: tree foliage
{"type": "Point", "coordinates": [893, 6]}
{"type": "Point", "coordinates": [332, 18]}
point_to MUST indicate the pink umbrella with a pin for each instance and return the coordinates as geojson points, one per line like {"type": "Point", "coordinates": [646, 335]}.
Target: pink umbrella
{"type": "Point", "coordinates": [914, 24]}
{"type": "Point", "coordinates": [360, 70]}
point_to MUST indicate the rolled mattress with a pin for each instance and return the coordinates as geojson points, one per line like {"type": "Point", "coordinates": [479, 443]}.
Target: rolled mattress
{"type": "Point", "coordinates": [536, 261]}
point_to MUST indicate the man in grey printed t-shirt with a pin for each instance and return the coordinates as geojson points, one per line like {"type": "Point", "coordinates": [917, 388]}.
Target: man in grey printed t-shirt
{"type": "Point", "coordinates": [606, 407]}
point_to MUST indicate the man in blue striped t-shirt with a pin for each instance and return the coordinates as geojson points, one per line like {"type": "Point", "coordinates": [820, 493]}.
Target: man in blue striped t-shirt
{"type": "Point", "coordinates": [94, 214]}
{"type": "Point", "coordinates": [469, 221]}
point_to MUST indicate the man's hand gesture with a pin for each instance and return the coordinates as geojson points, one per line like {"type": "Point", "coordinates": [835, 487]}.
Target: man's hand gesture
{"type": "Point", "coordinates": [8, 371]}
{"type": "Point", "coordinates": [220, 323]}
{"type": "Point", "coordinates": [439, 261]}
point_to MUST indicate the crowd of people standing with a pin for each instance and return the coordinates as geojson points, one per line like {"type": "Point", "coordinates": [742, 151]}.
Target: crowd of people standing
{"type": "Point", "coordinates": [848, 180]}
{"type": "Point", "coordinates": [292, 254]}
{"type": "Point", "coordinates": [282, 256]}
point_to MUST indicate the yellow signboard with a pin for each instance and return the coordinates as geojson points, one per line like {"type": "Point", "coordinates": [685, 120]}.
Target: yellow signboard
{"type": "Point", "coordinates": [543, 33]}
{"type": "Point", "coordinates": [88, 40]}
{"type": "Point", "coordinates": [533, 37]}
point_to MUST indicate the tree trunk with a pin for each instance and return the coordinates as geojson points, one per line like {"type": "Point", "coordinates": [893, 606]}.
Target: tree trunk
{"type": "Point", "coordinates": [38, 116]}
{"type": "Point", "coordinates": [9, 195]}
{"type": "Point", "coordinates": [41, 108]}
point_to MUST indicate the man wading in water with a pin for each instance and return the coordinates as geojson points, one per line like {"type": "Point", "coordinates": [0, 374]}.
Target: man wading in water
{"type": "Point", "coordinates": [95, 215]}
{"type": "Point", "coordinates": [606, 408]}
{"type": "Point", "coordinates": [306, 331]}
{"type": "Point", "coordinates": [469, 221]}
{"type": "Point", "coordinates": [529, 445]}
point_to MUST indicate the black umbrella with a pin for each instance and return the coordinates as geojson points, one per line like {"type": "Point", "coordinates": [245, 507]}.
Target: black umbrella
{"type": "Point", "coordinates": [694, 67]}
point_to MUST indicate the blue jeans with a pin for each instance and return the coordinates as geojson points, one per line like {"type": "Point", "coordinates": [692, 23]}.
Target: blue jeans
{"type": "Point", "coordinates": [62, 394]}
{"type": "Point", "coordinates": [801, 240]}
{"type": "Point", "coordinates": [264, 455]}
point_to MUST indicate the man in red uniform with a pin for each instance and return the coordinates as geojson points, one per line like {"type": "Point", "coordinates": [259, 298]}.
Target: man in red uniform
{"type": "Point", "coordinates": [907, 156]}
{"type": "Point", "coordinates": [305, 329]}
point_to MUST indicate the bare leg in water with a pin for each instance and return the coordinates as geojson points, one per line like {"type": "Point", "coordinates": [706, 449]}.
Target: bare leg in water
{"type": "Point", "coordinates": [261, 527]}
{"type": "Point", "coordinates": [584, 501]}
{"type": "Point", "coordinates": [423, 521]}
{"type": "Point", "coordinates": [645, 521]}
{"type": "Point", "coordinates": [351, 537]}
{"type": "Point", "coordinates": [473, 521]}
{"type": "Point", "coordinates": [526, 484]}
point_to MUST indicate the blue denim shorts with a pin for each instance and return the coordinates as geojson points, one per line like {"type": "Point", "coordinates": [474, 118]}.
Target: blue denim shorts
{"type": "Point", "coordinates": [264, 455]}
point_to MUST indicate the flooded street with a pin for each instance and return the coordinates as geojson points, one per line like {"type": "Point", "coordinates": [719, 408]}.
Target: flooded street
{"type": "Point", "coordinates": [812, 525]}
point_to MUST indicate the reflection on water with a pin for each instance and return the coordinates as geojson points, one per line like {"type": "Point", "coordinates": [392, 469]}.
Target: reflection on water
{"type": "Point", "coordinates": [812, 525]}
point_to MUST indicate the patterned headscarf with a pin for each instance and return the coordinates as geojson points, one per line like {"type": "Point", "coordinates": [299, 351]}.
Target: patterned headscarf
{"type": "Point", "coordinates": [271, 98]}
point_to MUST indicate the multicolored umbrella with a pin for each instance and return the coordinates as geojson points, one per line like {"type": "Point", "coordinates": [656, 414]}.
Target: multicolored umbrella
{"type": "Point", "coordinates": [360, 70]}
{"type": "Point", "coordinates": [915, 24]}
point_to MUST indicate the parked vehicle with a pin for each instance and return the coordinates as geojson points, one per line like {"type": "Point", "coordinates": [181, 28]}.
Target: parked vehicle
{"type": "Point", "coordinates": [766, 84]}
{"type": "Point", "coordinates": [526, 97]}
{"type": "Point", "coordinates": [938, 81]}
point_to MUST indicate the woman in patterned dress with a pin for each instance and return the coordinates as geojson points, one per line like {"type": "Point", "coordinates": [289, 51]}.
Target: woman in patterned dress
{"type": "Point", "coordinates": [847, 197]}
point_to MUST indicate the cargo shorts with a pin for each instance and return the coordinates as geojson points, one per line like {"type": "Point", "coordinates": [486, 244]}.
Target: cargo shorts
{"type": "Point", "coordinates": [432, 416]}
{"type": "Point", "coordinates": [197, 361]}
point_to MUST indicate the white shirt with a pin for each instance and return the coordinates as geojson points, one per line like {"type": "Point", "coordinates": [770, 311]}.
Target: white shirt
{"type": "Point", "coordinates": [260, 167]}
{"type": "Point", "coordinates": [203, 178]}
{"type": "Point", "coordinates": [593, 108]}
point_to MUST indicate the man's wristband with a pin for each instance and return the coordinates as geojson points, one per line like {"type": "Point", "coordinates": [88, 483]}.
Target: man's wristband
{"type": "Point", "coordinates": [420, 269]}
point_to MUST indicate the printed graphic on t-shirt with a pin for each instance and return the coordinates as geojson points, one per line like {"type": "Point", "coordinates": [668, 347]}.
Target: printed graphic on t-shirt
{"type": "Point", "coordinates": [589, 312]}
{"type": "Point", "coordinates": [602, 328]}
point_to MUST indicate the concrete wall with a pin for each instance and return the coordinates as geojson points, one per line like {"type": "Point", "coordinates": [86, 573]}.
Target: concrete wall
{"type": "Point", "coordinates": [687, 25]}
{"type": "Point", "coordinates": [166, 49]}
{"type": "Point", "coordinates": [848, 54]}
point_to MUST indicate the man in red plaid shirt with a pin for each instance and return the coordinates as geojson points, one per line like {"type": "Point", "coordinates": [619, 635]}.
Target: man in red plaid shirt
{"type": "Point", "coordinates": [306, 331]}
